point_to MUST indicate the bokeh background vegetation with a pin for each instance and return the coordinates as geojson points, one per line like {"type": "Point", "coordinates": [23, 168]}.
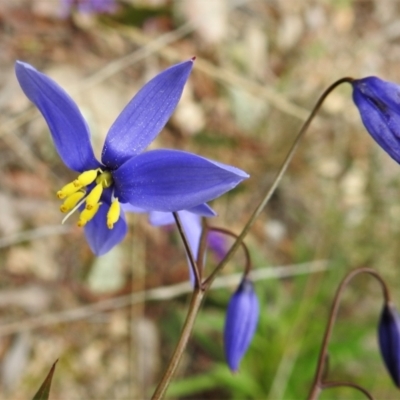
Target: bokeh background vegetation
{"type": "Point", "coordinates": [261, 66]}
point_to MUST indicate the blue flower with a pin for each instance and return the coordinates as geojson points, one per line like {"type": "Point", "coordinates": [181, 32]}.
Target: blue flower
{"type": "Point", "coordinates": [157, 180]}
{"type": "Point", "coordinates": [378, 102]}
{"type": "Point", "coordinates": [389, 341]}
{"type": "Point", "coordinates": [87, 6]}
{"type": "Point", "coordinates": [240, 324]}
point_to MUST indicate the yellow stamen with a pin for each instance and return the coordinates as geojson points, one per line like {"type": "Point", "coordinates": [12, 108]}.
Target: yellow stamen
{"type": "Point", "coordinates": [94, 196]}
{"type": "Point", "coordinates": [71, 201]}
{"type": "Point", "coordinates": [113, 213]}
{"type": "Point", "coordinates": [86, 215]}
{"type": "Point", "coordinates": [86, 178]}
{"type": "Point", "coordinates": [67, 190]}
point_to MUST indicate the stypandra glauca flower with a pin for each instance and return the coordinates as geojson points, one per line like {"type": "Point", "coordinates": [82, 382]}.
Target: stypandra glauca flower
{"type": "Point", "coordinates": [156, 180]}
{"type": "Point", "coordinates": [241, 323]}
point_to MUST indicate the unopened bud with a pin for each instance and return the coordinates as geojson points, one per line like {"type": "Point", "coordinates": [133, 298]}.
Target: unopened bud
{"type": "Point", "coordinates": [240, 324]}
{"type": "Point", "coordinates": [389, 341]}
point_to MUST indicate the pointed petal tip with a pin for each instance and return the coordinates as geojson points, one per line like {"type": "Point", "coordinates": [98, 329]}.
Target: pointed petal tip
{"type": "Point", "coordinates": [193, 59]}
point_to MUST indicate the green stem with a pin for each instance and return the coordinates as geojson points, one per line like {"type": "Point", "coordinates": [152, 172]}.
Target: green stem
{"type": "Point", "coordinates": [194, 307]}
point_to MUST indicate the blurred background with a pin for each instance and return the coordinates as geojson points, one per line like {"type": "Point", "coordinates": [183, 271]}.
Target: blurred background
{"type": "Point", "coordinates": [113, 321]}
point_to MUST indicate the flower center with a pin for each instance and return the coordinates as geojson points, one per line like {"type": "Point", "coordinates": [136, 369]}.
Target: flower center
{"type": "Point", "coordinates": [76, 193]}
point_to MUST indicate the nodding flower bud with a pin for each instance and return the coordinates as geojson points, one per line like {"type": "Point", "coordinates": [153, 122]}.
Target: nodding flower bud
{"type": "Point", "coordinates": [378, 102]}
{"type": "Point", "coordinates": [240, 324]}
{"type": "Point", "coordinates": [389, 341]}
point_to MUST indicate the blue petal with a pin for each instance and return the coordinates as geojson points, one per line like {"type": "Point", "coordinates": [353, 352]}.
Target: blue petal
{"type": "Point", "coordinates": [67, 126]}
{"type": "Point", "coordinates": [191, 224]}
{"type": "Point", "coordinates": [132, 209]}
{"type": "Point", "coordinates": [204, 210]}
{"type": "Point", "coordinates": [170, 180]}
{"type": "Point", "coordinates": [379, 107]}
{"type": "Point", "coordinates": [145, 115]}
{"type": "Point", "coordinates": [161, 218]}
{"type": "Point", "coordinates": [101, 239]}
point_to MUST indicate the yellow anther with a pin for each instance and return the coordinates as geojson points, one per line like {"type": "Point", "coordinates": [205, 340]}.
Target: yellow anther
{"type": "Point", "coordinates": [86, 178]}
{"type": "Point", "coordinates": [94, 196]}
{"type": "Point", "coordinates": [71, 201]}
{"type": "Point", "coordinates": [67, 190]}
{"type": "Point", "coordinates": [86, 215]}
{"type": "Point", "coordinates": [113, 213]}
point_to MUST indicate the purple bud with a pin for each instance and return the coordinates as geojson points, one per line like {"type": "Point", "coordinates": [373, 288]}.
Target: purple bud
{"type": "Point", "coordinates": [217, 242]}
{"type": "Point", "coordinates": [378, 102]}
{"type": "Point", "coordinates": [241, 322]}
{"type": "Point", "coordinates": [389, 341]}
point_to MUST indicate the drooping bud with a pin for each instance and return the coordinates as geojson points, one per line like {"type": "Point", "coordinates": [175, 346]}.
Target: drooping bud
{"type": "Point", "coordinates": [240, 324]}
{"type": "Point", "coordinates": [378, 102]}
{"type": "Point", "coordinates": [389, 341]}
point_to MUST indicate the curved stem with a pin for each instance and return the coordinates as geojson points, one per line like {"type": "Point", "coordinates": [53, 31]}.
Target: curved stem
{"type": "Point", "coordinates": [207, 283]}
{"type": "Point", "coordinates": [281, 172]}
{"type": "Point", "coordinates": [328, 385]}
{"type": "Point", "coordinates": [193, 264]}
{"type": "Point", "coordinates": [318, 384]}
{"type": "Point", "coordinates": [194, 307]}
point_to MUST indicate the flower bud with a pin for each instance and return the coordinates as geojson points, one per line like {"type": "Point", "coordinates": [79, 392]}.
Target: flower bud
{"type": "Point", "coordinates": [240, 324]}
{"type": "Point", "coordinates": [389, 341]}
{"type": "Point", "coordinates": [378, 102]}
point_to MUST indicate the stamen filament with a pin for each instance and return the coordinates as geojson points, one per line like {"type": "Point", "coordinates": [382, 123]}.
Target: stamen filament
{"type": "Point", "coordinates": [73, 210]}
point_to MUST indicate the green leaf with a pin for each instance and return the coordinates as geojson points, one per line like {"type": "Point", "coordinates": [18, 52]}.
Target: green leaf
{"type": "Point", "coordinates": [44, 390]}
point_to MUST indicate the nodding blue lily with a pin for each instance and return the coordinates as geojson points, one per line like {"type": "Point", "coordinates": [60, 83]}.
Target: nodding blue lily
{"type": "Point", "coordinates": [378, 102]}
{"type": "Point", "coordinates": [241, 323]}
{"type": "Point", "coordinates": [156, 180]}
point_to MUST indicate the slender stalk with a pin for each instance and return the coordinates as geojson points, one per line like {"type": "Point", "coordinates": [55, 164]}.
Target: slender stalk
{"type": "Point", "coordinates": [193, 264]}
{"type": "Point", "coordinates": [194, 307]}
{"type": "Point", "coordinates": [328, 385]}
{"type": "Point", "coordinates": [280, 173]}
{"type": "Point", "coordinates": [318, 383]}
{"type": "Point", "coordinates": [202, 246]}
{"type": "Point", "coordinates": [247, 268]}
